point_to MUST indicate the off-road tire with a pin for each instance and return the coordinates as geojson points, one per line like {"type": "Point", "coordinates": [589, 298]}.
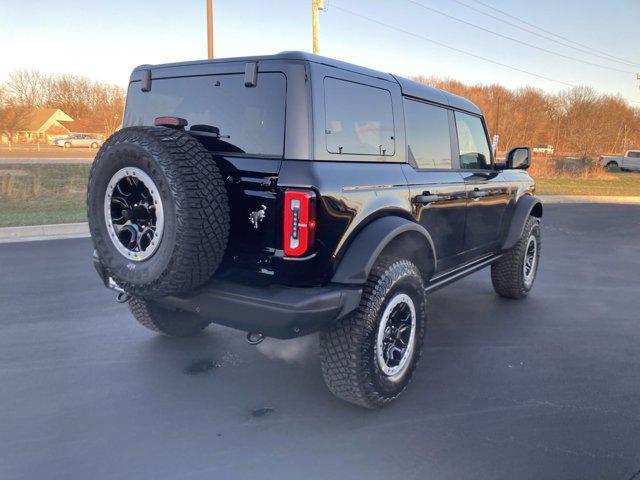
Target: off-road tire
{"type": "Point", "coordinates": [172, 323]}
{"type": "Point", "coordinates": [612, 167]}
{"type": "Point", "coordinates": [507, 274]}
{"type": "Point", "coordinates": [348, 348]}
{"type": "Point", "coordinates": [195, 205]}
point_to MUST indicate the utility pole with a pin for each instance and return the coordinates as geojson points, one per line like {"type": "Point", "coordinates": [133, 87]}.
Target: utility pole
{"type": "Point", "coordinates": [496, 129]}
{"type": "Point", "coordinates": [315, 6]}
{"type": "Point", "coordinates": [210, 29]}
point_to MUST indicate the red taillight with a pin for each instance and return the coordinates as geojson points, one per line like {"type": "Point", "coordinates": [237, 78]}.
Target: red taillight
{"type": "Point", "coordinates": [299, 222]}
{"type": "Point", "coordinates": [175, 122]}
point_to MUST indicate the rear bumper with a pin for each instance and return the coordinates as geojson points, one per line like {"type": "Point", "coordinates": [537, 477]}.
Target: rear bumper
{"type": "Point", "coordinates": [274, 311]}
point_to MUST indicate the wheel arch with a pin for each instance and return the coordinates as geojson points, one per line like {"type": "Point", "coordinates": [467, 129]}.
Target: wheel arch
{"type": "Point", "coordinates": [526, 206]}
{"type": "Point", "coordinates": [390, 235]}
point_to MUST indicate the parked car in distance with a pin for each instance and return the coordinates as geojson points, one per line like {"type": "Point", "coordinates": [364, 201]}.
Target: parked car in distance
{"type": "Point", "coordinates": [79, 140]}
{"type": "Point", "coordinates": [630, 161]}
{"type": "Point", "coordinates": [289, 194]}
{"type": "Point", "coordinates": [544, 149]}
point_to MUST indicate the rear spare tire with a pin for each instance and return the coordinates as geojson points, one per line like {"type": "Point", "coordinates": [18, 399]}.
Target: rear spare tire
{"type": "Point", "coordinates": [158, 211]}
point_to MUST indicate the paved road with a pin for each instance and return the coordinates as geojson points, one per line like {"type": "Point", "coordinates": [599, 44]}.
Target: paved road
{"type": "Point", "coordinates": [53, 155]}
{"type": "Point", "coordinates": [30, 160]}
{"type": "Point", "coordinates": [543, 388]}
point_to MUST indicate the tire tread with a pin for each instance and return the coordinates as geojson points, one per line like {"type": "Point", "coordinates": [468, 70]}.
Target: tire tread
{"type": "Point", "coordinates": [507, 276]}
{"type": "Point", "coordinates": [346, 347]}
{"type": "Point", "coordinates": [166, 322]}
{"type": "Point", "coordinates": [202, 208]}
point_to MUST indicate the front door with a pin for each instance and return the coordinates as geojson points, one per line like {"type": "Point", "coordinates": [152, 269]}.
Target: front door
{"type": "Point", "coordinates": [437, 190]}
{"type": "Point", "coordinates": [487, 189]}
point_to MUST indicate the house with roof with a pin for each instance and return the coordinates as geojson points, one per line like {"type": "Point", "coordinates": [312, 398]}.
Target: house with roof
{"type": "Point", "coordinates": [90, 125]}
{"type": "Point", "coordinates": [46, 125]}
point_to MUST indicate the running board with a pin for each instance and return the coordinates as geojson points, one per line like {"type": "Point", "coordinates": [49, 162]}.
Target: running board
{"type": "Point", "coordinates": [445, 279]}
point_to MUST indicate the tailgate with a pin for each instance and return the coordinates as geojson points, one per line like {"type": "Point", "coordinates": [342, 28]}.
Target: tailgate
{"type": "Point", "coordinates": [255, 225]}
{"type": "Point", "coordinates": [242, 124]}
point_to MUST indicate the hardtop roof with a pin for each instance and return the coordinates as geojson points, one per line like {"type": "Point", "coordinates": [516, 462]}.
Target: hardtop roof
{"type": "Point", "coordinates": [408, 87]}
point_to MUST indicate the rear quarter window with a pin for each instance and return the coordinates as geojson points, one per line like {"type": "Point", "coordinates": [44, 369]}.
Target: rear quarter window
{"type": "Point", "coordinates": [358, 119]}
{"type": "Point", "coordinates": [250, 120]}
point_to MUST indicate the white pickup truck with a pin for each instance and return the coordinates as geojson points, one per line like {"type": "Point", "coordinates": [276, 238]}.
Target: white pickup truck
{"type": "Point", "coordinates": [630, 161]}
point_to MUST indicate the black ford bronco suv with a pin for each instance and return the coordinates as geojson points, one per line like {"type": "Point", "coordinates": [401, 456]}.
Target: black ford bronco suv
{"type": "Point", "coordinates": [289, 194]}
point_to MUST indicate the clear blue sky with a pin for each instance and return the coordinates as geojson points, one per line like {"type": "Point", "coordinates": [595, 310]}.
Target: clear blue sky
{"type": "Point", "coordinates": [106, 39]}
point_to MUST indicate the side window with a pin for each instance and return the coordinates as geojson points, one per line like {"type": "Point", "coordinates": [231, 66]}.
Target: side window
{"type": "Point", "coordinates": [428, 139]}
{"type": "Point", "coordinates": [634, 154]}
{"type": "Point", "coordinates": [472, 140]}
{"type": "Point", "coordinates": [358, 119]}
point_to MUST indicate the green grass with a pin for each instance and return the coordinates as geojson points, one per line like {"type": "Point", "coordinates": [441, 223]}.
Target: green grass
{"type": "Point", "coordinates": [15, 212]}
{"type": "Point", "coordinates": [42, 194]}
{"type": "Point", "coordinates": [623, 184]}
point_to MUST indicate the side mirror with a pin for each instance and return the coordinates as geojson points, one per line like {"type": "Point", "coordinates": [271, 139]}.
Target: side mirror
{"type": "Point", "coordinates": [519, 158]}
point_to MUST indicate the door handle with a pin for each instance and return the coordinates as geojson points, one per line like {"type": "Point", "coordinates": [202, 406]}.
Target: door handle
{"type": "Point", "coordinates": [477, 194]}
{"type": "Point", "coordinates": [426, 199]}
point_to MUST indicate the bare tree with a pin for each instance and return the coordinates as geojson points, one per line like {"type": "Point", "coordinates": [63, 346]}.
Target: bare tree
{"type": "Point", "coordinates": [577, 121]}
{"type": "Point", "coordinates": [108, 106]}
{"type": "Point", "coordinates": [26, 87]}
{"type": "Point", "coordinates": [13, 118]}
{"type": "Point", "coordinates": [79, 97]}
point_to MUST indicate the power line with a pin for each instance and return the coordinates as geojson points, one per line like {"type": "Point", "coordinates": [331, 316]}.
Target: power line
{"type": "Point", "coordinates": [552, 33]}
{"type": "Point", "coordinates": [569, 57]}
{"type": "Point", "coordinates": [587, 50]}
{"type": "Point", "coordinates": [444, 45]}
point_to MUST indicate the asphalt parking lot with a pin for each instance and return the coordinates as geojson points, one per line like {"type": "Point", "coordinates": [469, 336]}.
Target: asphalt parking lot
{"type": "Point", "coordinates": [547, 387]}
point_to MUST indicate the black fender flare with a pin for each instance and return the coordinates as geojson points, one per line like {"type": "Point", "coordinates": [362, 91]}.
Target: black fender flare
{"type": "Point", "coordinates": [356, 264]}
{"type": "Point", "coordinates": [521, 211]}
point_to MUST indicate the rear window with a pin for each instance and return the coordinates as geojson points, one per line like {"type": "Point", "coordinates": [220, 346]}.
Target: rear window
{"type": "Point", "coordinates": [359, 119]}
{"type": "Point", "coordinates": [250, 120]}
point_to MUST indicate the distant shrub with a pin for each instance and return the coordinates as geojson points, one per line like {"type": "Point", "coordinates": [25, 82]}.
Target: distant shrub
{"type": "Point", "coordinates": [568, 167]}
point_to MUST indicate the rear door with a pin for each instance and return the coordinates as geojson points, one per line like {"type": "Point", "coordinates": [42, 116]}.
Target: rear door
{"type": "Point", "coordinates": [487, 188]}
{"type": "Point", "coordinates": [437, 189]}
